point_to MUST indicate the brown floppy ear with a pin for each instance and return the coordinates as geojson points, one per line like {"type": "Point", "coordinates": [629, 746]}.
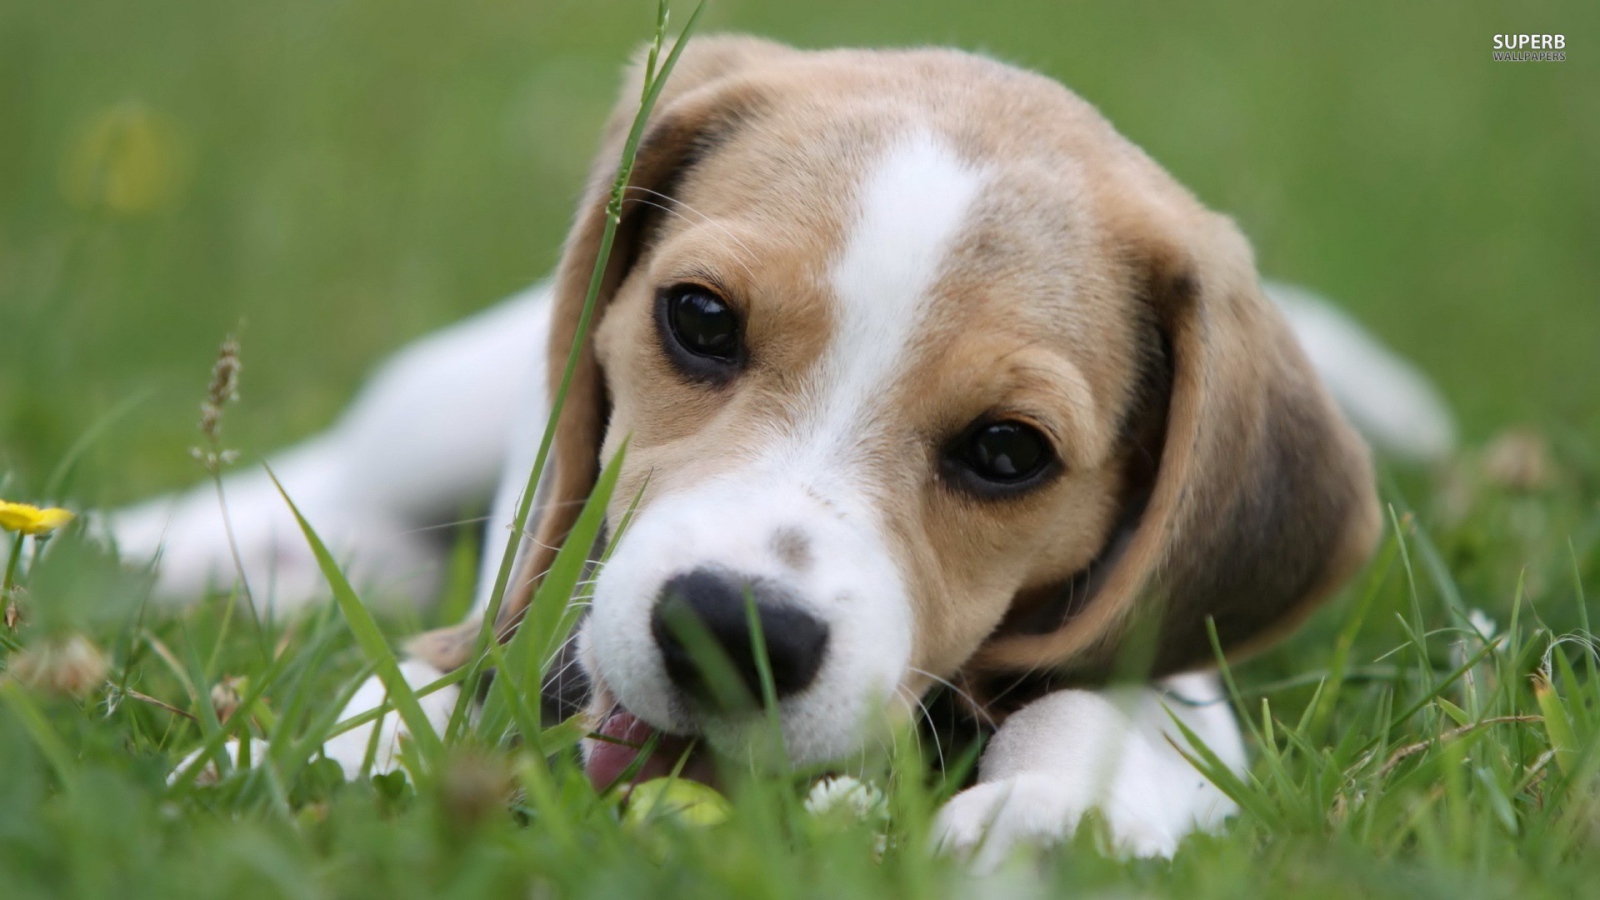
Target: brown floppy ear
{"type": "Point", "coordinates": [699, 105]}
{"type": "Point", "coordinates": [1262, 501]}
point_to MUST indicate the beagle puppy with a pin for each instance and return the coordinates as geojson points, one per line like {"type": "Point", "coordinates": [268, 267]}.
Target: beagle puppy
{"type": "Point", "coordinates": [913, 350]}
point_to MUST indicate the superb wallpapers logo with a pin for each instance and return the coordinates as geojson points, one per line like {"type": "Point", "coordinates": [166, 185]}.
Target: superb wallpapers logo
{"type": "Point", "coordinates": [1530, 48]}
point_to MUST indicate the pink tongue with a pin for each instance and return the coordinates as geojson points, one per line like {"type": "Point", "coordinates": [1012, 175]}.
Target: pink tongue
{"type": "Point", "coordinates": [607, 760]}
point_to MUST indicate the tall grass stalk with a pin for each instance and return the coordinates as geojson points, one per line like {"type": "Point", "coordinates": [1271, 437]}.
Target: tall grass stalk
{"type": "Point", "coordinates": [653, 83]}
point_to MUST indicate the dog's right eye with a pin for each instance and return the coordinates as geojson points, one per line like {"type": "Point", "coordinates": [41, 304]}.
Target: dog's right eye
{"type": "Point", "coordinates": [700, 331]}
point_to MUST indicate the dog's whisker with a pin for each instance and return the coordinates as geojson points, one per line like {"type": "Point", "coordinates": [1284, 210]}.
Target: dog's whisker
{"type": "Point", "coordinates": [893, 748]}
{"type": "Point", "coordinates": [556, 677]}
{"type": "Point", "coordinates": [925, 716]}
{"type": "Point", "coordinates": [561, 651]}
{"type": "Point", "coordinates": [972, 701]}
{"type": "Point", "coordinates": [857, 769]}
{"type": "Point", "coordinates": [445, 526]}
{"type": "Point", "coordinates": [528, 537]}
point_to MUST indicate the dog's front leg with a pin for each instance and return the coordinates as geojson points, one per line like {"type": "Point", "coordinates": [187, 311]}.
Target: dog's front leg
{"type": "Point", "coordinates": [1073, 751]}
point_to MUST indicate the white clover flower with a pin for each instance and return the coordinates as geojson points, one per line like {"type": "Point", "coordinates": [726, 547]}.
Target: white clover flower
{"type": "Point", "coordinates": [844, 795]}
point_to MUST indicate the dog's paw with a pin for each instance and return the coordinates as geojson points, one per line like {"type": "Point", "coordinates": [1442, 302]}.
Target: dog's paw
{"type": "Point", "coordinates": [350, 749]}
{"type": "Point", "coordinates": [985, 823]}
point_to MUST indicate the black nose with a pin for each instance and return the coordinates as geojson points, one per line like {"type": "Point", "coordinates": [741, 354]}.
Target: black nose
{"type": "Point", "coordinates": [716, 600]}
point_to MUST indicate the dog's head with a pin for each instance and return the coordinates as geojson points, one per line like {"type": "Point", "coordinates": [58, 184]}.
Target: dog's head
{"type": "Point", "coordinates": [915, 352]}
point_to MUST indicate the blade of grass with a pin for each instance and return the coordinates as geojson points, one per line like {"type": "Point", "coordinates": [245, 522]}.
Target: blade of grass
{"type": "Point", "coordinates": [369, 638]}
{"type": "Point", "coordinates": [386, 707]}
{"type": "Point", "coordinates": [292, 755]}
{"type": "Point", "coordinates": [1432, 561]}
{"type": "Point", "coordinates": [1557, 727]}
{"type": "Point", "coordinates": [1344, 644]}
{"type": "Point", "coordinates": [551, 615]}
{"type": "Point", "coordinates": [37, 725]}
{"type": "Point", "coordinates": [1416, 630]}
{"type": "Point", "coordinates": [506, 705]}
{"type": "Point", "coordinates": [300, 693]}
{"type": "Point", "coordinates": [1208, 764]}
{"type": "Point", "coordinates": [769, 689]}
{"type": "Point", "coordinates": [630, 150]}
{"type": "Point", "coordinates": [1567, 678]}
{"type": "Point", "coordinates": [1590, 664]}
{"type": "Point", "coordinates": [460, 579]}
{"type": "Point", "coordinates": [1428, 697]}
{"type": "Point", "coordinates": [215, 739]}
{"type": "Point", "coordinates": [62, 473]}
{"type": "Point", "coordinates": [722, 681]}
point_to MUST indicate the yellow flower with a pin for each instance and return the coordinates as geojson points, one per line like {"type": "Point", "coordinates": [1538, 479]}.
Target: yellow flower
{"type": "Point", "coordinates": [26, 518]}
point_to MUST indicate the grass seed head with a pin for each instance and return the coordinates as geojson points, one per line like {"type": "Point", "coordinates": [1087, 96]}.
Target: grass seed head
{"type": "Point", "coordinates": [223, 390]}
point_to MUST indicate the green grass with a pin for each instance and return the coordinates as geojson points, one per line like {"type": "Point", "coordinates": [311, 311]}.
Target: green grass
{"type": "Point", "coordinates": [1397, 753]}
{"type": "Point", "coordinates": [345, 176]}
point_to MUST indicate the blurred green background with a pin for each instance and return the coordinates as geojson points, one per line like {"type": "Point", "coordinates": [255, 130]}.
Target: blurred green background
{"type": "Point", "coordinates": [344, 176]}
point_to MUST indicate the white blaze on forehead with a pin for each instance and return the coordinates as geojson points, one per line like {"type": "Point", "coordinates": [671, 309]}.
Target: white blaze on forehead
{"type": "Point", "coordinates": [912, 205]}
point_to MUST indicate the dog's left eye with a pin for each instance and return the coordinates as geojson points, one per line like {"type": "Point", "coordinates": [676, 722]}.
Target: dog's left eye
{"type": "Point", "coordinates": [700, 330]}
{"type": "Point", "coordinates": [998, 457]}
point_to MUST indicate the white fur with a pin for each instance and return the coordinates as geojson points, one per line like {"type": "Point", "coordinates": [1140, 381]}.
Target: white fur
{"type": "Point", "coordinates": [1108, 750]}
{"type": "Point", "coordinates": [912, 204]}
